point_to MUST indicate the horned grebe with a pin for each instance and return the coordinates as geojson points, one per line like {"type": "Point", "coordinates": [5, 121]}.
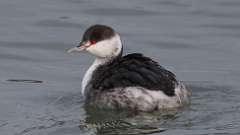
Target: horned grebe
{"type": "Point", "coordinates": [132, 82]}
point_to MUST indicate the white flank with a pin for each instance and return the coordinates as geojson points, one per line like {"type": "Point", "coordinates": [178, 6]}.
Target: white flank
{"type": "Point", "coordinates": [149, 99]}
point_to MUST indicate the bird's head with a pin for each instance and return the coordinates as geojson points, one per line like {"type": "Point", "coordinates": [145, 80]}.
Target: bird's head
{"type": "Point", "coordinates": [101, 41]}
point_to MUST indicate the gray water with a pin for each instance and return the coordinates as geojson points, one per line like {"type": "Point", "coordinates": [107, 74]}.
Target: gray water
{"type": "Point", "coordinates": [199, 40]}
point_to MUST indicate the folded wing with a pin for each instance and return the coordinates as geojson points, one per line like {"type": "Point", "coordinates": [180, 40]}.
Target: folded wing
{"type": "Point", "coordinates": [134, 70]}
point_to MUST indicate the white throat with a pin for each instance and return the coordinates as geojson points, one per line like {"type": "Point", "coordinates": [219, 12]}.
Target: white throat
{"type": "Point", "coordinates": [104, 51]}
{"type": "Point", "coordinates": [88, 75]}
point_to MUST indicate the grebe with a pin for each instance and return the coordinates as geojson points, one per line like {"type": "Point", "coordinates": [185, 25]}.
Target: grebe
{"type": "Point", "coordinates": [132, 82]}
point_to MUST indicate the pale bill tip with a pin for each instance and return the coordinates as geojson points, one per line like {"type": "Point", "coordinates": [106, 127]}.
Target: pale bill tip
{"type": "Point", "coordinates": [75, 49]}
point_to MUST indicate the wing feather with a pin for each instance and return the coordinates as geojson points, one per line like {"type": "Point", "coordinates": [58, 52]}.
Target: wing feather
{"type": "Point", "coordinates": [134, 70]}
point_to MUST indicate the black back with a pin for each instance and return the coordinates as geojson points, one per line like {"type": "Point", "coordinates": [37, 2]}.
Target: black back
{"type": "Point", "coordinates": [133, 70]}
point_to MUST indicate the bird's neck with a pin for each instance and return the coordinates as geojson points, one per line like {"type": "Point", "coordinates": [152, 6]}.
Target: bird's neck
{"type": "Point", "coordinates": [97, 62]}
{"type": "Point", "coordinates": [117, 54]}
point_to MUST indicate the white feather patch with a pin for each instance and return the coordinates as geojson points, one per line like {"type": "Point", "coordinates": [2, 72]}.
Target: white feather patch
{"type": "Point", "coordinates": [88, 75]}
{"type": "Point", "coordinates": [106, 48]}
{"type": "Point", "coordinates": [149, 99]}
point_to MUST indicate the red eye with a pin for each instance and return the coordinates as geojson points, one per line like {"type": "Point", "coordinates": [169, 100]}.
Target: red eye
{"type": "Point", "coordinates": [93, 42]}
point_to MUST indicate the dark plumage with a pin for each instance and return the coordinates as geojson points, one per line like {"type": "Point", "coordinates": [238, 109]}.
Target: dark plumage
{"type": "Point", "coordinates": [133, 70]}
{"type": "Point", "coordinates": [98, 33]}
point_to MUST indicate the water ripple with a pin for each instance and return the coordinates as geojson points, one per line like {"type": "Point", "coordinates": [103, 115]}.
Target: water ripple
{"type": "Point", "coordinates": [58, 23]}
{"type": "Point", "coordinates": [119, 12]}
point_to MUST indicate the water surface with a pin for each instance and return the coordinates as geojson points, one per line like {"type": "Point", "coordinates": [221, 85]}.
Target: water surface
{"type": "Point", "coordinates": [40, 83]}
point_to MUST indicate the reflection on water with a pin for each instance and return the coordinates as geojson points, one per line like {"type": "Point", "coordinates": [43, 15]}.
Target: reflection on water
{"type": "Point", "coordinates": [118, 122]}
{"type": "Point", "coordinates": [40, 83]}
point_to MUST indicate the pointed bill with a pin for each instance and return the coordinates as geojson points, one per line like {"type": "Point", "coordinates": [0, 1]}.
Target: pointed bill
{"type": "Point", "coordinates": [76, 49]}
{"type": "Point", "coordinates": [82, 46]}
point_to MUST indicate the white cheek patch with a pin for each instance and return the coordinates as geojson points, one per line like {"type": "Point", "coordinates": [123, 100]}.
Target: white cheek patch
{"type": "Point", "coordinates": [106, 48]}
